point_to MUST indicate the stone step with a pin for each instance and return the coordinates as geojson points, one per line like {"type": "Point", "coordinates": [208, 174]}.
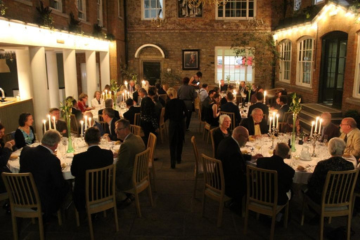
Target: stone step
{"type": "Point", "coordinates": [308, 116]}
{"type": "Point", "coordinates": [316, 109]}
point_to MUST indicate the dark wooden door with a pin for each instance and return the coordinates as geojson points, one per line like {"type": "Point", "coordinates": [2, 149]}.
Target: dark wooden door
{"type": "Point", "coordinates": [333, 60]}
{"type": "Point", "coordinates": [152, 72]}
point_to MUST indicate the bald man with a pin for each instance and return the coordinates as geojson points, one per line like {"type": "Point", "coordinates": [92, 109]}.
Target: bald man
{"type": "Point", "coordinates": [351, 135]}
{"type": "Point", "coordinates": [329, 129]}
{"type": "Point", "coordinates": [255, 124]}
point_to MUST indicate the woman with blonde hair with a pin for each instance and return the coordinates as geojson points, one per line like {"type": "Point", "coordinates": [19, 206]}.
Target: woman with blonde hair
{"type": "Point", "coordinates": [97, 102]}
{"type": "Point", "coordinates": [175, 112]}
{"type": "Point", "coordinates": [82, 103]}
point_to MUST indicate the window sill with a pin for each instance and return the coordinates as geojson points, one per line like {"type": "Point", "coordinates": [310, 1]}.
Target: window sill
{"type": "Point", "coordinates": [59, 13]}
{"type": "Point", "coordinates": [353, 100]}
{"type": "Point", "coordinates": [25, 2]}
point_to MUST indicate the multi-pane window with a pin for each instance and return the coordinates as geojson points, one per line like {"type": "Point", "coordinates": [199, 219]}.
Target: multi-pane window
{"type": "Point", "coordinates": [236, 9]}
{"type": "Point", "coordinates": [56, 4]}
{"type": "Point", "coordinates": [285, 61]}
{"type": "Point", "coordinates": [356, 91]}
{"type": "Point", "coordinates": [100, 12]}
{"type": "Point", "coordinates": [81, 6]}
{"type": "Point", "coordinates": [237, 68]}
{"type": "Point", "coordinates": [153, 9]}
{"type": "Point", "coordinates": [305, 62]}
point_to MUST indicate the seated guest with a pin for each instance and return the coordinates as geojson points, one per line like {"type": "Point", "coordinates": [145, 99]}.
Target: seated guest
{"type": "Point", "coordinates": [109, 104]}
{"type": "Point", "coordinates": [93, 158]}
{"type": "Point", "coordinates": [334, 163]}
{"type": "Point", "coordinates": [255, 124]}
{"type": "Point", "coordinates": [136, 94]}
{"type": "Point", "coordinates": [224, 100]}
{"type": "Point", "coordinates": [97, 102]}
{"type": "Point", "coordinates": [213, 112]}
{"type": "Point", "coordinates": [328, 130]}
{"type": "Point", "coordinates": [45, 167]}
{"type": "Point", "coordinates": [222, 131]}
{"type": "Point", "coordinates": [259, 89]}
{"type": "Point", "coordinates": [351, 135]}
{"type": "Point", "coordinates": [160, 90]}
{"type": "Point", "coordinates": [109, 117]}
{"type": "Point", "coordinates": [24, 135]}
{"type": "Point", "coordinates": [223, 86]}
{"type": "Point", "coordinates": [5, 151]}
{"type": "Point", "coordinates": [216, 89]}
{"type": "Point", "coordinates": [74, 110]}
{"type": "Point", "coordinates": [94, 123]}
{"type": "Point", "coordinates": [288, 127]}
{"type": "Point", "coordinates": [203, 92]}
{"type": "Point", "coordinates": [60, 125]}
{"type": "Point", "coordinates": [284, 107]}
{"type": "Point", "coordinates": [284, 171]}
{"type": "Point", "coordinates": [230, 106]}
{"type": "Point", "coordinates": [142, 94]}
{"type": "Point", "coordinates": [82, 103]}
{"type": "Point", "coordinates": [132, 145]}
{"type": "Point", "coordinates": [259, 104]}
{"type": "Point", "coordinates": [205, 104]}
{"type": "Point", "coordinates": [155, 98]}
{"type": "Point", "coordinates": [130, 114]}
{"type": "Point", "coordinates": [234, 164]}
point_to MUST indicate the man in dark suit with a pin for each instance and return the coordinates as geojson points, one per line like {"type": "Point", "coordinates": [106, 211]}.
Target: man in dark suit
{"type": "Point", "coordinates": [108, 116]}
{"type": "Point", "coordinates": [329, 129]}
{"type": "Point", "coordinates": [46, 170]}
{"type": "Point", "coordinates": [205, 104]}
{"type": "Point", "coordinates": [284, 107]}
{"type": "Point", "coordinates": [223, 86]}
{"type": "Point", "coordinates": [234, 163]}
{"type": "Point", "coordinates": [109, 104]}
{"type": "Point", "coordinates": [259, 104]}
{"type": "Point", "coordinates": [93, 158]}
{"type": "Point", "coordinates": [255, 124]}
{"type": "Point", "coordinates": [60, 125]}
{"type": "Point", "coordinates": [284, 171]}
{"type": "Point", "coordinates": [132, 145]}
{"type": "Point", "coordinates": [130, 114]}
{"type": "Point", "coordinates": [231, 107]}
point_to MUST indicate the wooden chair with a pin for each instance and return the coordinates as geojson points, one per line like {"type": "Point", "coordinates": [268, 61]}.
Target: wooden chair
{"type": "Point", "coordinates": [74, 125]}
{"type": "Point", "coordinates": [136, 130]}
{"type": "Point", "coordinates": [212, 142]}
{"type": "Point", "coordinates": [214, 184]}
{"type": "Point", "coordinates": [201, 122]}
{"type": "Point", "coordinates": [262, 196]}
{"type": "Point", "coordinates": [100, 194]}
{"type": "Point", "coordinates": [141, 178]}
{"type": "Point", "coordinates": [4, 196]}
{"type": "Point", "coordinates": [198, 170]}
{"type": "Point", "coordinates": [232, 117]}
{"type": "Point", "coordinates": [164, 97]}
{"type": "Point", "coordinates": [337, 198]}
{"type": "Point", "coordinates": [151, 144]}
{"type": "Point", "coordinates": [162, 127]}
{"type": "Point", "coordinates": [137, 119]}
{"type": "Point", "coordinates": [24, 200]}
{"type": "Point", "coordinates": [197, 104]}
{"type": "Point", "coordinates": [206, 133]}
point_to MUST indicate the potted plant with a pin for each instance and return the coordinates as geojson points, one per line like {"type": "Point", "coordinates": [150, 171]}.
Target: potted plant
{"type": "Point", "coordinates": [45, 17]}
{"type": "Point", "coordinates": [3, 8]}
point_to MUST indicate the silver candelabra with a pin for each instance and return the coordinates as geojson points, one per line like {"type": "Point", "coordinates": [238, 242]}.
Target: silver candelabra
{"type": "Point", "coordinates": [314, 138]}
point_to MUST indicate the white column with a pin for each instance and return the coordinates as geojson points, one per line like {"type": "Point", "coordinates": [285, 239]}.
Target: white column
{"type": "Point", "coordinates": [52, 74]}
{"type": "Point", "coordinates": [104, 69]}
{"type": "Point", "coordinates": [41, 94]}
{"type": "Point", "coordinates": [24, 73]}
{"type": "Point", "coordinates": [70, 73]}
{"type": "Point", "coordinates": [90, 74]}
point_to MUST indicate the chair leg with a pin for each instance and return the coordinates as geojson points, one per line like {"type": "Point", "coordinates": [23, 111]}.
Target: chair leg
{"type": "Point", "coordinates": [41, 228]}
{"type": "Point", "coordinates": [194, 196]}
{"type": "Point", "coordinates": [286, 215]}
{"type": "Point", "coordinates": [150, 196]}
{"type": "Point", "coordinates": [153, 176]}
{"type": "Point", "coordinates": [273, 220]}
{"type": "Point", "coordinates": [137, 202]}
{"type": "Point", "coordinates": [59, 217]}
{"type": "Point", "coordinates": [203, 206]}
{"type": "Point", "coordinates": [14, 223]}
{"type": "Point", "coordinates": [90, 226]}
{"type": "Point", "coordinates": [246, 220]}
{"type": "Point", "coordinates": [321, 227]}
{"type": "Point", "coordinates": [116, 218]}
{"type": "Point", "coordinates": [349, 225]}
{"type": "Point", "coordinates": [221, 208]}
{"type": "Point", "coordinates": [77, 218]}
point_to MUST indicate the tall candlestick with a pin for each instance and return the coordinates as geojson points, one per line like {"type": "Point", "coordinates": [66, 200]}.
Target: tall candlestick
{"type": "Point", "coordinates": [270, 124]}
{"type": "Point", "coordinates": [54, 122]}
{"type": "Point", "coordinates": [316, 124]}
{"type": "Point", "coordinates": [143, 83]}
{"type": "Point", "coordinates": [264, 97]}
{"type": "Point", "coordinates": [90, 122]}
{"type": "Point", "coordinates": [85, 118]}
{"type": "Point", "coordinates": [219, 86]}
{"type": "Point", "coordinates": [126, 84]}
{"type": "Point", "coordinates": [277, 121]}
{"type": "Point", "coordinates": [49, 122]}
{"type": "Point", "coordinates": [44, 121]}
{"type": "Point", "coordinates": [320, 121]}
{"type": "Point", "coordinates": [273, 119]}
{"type": "Point", "coordinates": [106, 97]}
{"type": "Point", "coordinates": [82, 128]}
{"type": "Point", "coordinates": [312, 127]}
{"type": "Point", "coordinates": [123, 97]}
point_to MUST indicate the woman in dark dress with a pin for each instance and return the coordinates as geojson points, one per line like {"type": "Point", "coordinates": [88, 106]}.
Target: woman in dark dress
{"type": "Point", "coordinates": [222, 131]}
{"type": "Point", "coordinates": [148, 120]}
{"type": "Point", "coordinates": [25, 135]}
{"type": "Point", "coordinates": [175, 112]}
{"type": "Point", "coordinates": [213, 112]}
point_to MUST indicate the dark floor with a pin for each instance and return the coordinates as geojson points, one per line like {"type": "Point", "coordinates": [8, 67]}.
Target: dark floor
{"type": "Point", "coordinates": [172, 216]}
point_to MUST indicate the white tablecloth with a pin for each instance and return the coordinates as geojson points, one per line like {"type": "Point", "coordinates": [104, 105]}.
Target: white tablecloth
{"type": "Point", "coordinates": [79, 146]}
{"type": "Point", "coordinates": [95, 113]}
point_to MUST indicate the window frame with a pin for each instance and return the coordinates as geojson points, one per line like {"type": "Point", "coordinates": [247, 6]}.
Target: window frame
{"type": "Point", "coordinates": [120, 5]}
{"type": "Point", "coordinates": [223, 76]}
{"type": "Point", "coordinates": [356, 86]}
{"type": "Point", "coordinates": [299, 63]}
{"type": "Point", "coordinates": [100, 14]}
{"type": "Point", "coordinates": [318, 2]}
{"type": "Point", "coordinates": [162, 4]}
{"type": "Point", "coordinates": [235, 18]}
{"type": "Point", "coordinates": [60, 3]}
{"type": "Point", "coordinates": [83, 11]}
{"type": "Point", "coordinates": [282, 45]}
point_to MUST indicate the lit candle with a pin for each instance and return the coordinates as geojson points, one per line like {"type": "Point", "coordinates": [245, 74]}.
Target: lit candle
{"type": "Point", "coordinates": [219, 85]}
{"type": "Point", "coordinates": [277, 121]}
{"type": "Point", "coordinates": [126, 84]}
{"type": "Point", "coordinates": [320, 121]}
{"type": "Point", "coordinates": [82, 128]}
{"type": "Point", "coordinates": [143, 83]}
{"type": "Point", "coordinates": [85, 118]}
{"type": "Point", "coordinates": [316, 123]}
{"type": "Point", "coordinates": [123, 97]}
{"type": "Point", "coordinates": [44, 121]}
{"type": "Point", "coordinates": [89, 121]}
{"type": "Point", "coordinates": [234, 92]}
{"type": "Point", "coordinates": [264, 97]}
{"type": "Point", "coordinates": [273, 119]}
{"type": "Point", "coordinates": [54, 122]}
{"type": "Point", "coordinates": [49, 122]}
{"type": "Point", "coordinates": [102, 95]}
{"type": "Point", "coordinates": [106, 97]}
{"type": "Point", "coordinates": [270, 124]}
{"type": "Point", "coordinates": [312, 127]}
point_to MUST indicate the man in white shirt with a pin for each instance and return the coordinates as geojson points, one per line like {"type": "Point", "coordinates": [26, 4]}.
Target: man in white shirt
{"type": "Point", "coordinates": [203, 93]}
{"type": "Point", "coordinates": [351, 135]}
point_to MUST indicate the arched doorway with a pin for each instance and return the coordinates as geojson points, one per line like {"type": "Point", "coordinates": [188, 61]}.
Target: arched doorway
{"type": "Point", "coordinates": [333, 59]}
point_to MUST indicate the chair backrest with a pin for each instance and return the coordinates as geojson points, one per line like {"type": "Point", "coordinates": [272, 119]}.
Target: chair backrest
{"type": "Point", "coordinates": [22, 190]}
{"type": "Point", "coordinates": [141, 167]}
{"type": "Point", "coordinates": [213, 174]}
{"type": "Point", "coordinates": [10, 136]}
{"type": "Point", "coordinates": [339, 188]}
{"type": "Point", "coordinates": [151, 144]}
{"type": "Point", "coordinates": [213, 141]}
{"type": "Point", "coordinates": [262, 186]}
{"type": "Point", "coordinates": [137, 119]}
{"type": "Point", "coordinates": [100, 184]}
{"type": "Point", "coordinates": [196, 154]}
{"type": "Point", "coordinates": [197, 103]}
{"type": "Point", "coordinates": [74, 125]}
{"type": "Point", "coordinates": [162, 117]}
{"type": "Point", "coordinates": [286, 116]}
{"type": "Point", "coordinates": [164, 97]}
{"type": "Point", "coordinates": [136, 130]}
{"type": "Point", "coordinates": [232, 117]}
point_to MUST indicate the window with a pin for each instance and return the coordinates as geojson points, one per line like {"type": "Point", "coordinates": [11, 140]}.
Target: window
{"type": "Point", "coordinates": [297, 5]}
{"type": "Point", "coordinates": [304, 62]}
{"type": "Point", "coordinates": [81, 6]}
{"type": "Point", "coordinates": [285, 61]}
{"type": "Point", "coordinates": [238, 68]}
{"type": "Point", "coordinates": [152, 9]}
{"type": "Point", "coordinates": [120, 5]}
{"type": "Point", "coordinates": [56, 4]}
{"type": "Point", "coordinates": [356, 91]}
{"type": "Point", "coordinates": [236, 9]}
{"type": "Point", "coordinates": [100, 12]}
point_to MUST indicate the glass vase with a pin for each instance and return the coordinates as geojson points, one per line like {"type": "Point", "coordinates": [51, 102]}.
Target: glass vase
{"type": "Point", "coordinates": [70, 148]}
{"type": "Point", "coordinates": [293, 134]}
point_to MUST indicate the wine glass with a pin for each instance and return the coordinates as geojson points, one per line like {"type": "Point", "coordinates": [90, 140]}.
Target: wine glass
{"type": "Point", "coordinates": [64, 142]}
